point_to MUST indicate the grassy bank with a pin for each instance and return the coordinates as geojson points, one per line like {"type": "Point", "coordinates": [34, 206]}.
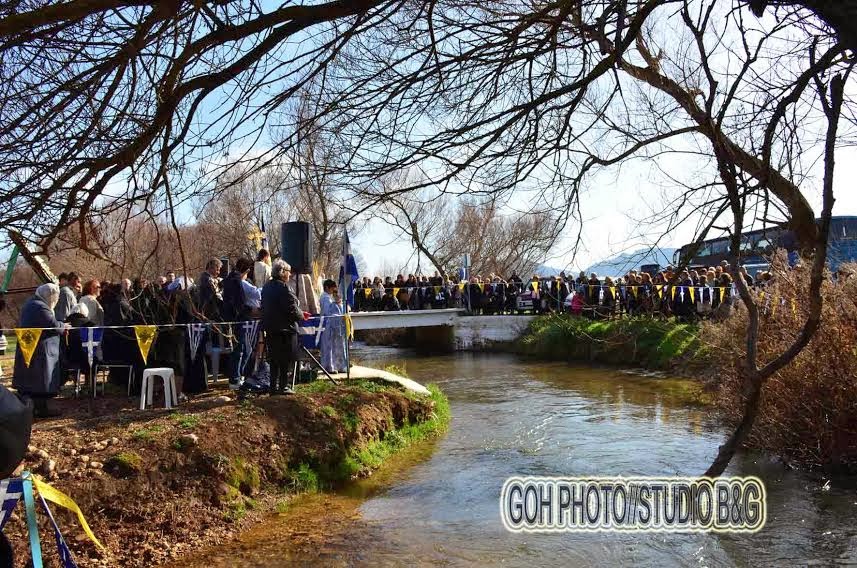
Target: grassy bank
{"type": "Point", "coordinates": [642, 342]}
{"type": "Point", "coordinates": [158, 484]}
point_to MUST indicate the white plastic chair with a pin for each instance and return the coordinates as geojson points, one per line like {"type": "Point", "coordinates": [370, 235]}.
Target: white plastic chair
{"type": "Point", "coordinates": [148, 387]}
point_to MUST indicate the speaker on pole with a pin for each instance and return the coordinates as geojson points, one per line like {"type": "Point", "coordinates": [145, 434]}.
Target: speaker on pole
{"type": "Point", "coordinates": [296, 246]}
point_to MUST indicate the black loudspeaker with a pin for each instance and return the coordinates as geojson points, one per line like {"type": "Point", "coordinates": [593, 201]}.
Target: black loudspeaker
{"type": "Point", "coordinates": [224, 266]}
{"type": "Point", "coordinates": [296, 246]}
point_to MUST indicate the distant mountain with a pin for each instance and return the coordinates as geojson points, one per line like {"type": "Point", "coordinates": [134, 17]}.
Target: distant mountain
{"type": "Point", "coordinates": [622, 263]}
{"type": "Point", "coordinates": [545, 270]}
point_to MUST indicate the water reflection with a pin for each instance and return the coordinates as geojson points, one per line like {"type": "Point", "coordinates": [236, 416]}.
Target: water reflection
{"type": "Point", "coordinates": [513, 417]}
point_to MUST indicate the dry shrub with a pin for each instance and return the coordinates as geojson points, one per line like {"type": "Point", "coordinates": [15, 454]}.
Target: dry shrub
{"type": "Point", "coordinates": [808, 411]}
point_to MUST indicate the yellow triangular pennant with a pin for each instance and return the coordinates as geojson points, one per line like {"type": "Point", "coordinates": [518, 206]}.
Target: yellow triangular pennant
{"type": "Point", "coordinates": [658, 289]}
{"type": "Point", "coordinates": [535, 285]}
{"type": "Point", "coordinates": [692, 290]}
{"type": "Point", "coordinates": [591, 290]}
{"type": "Point", "coordinates": [719, 293]}
{"type": "Point", "coordinates": [28, 339]}
{"type": "Point", "coordinates": [349, 327]}
{"type": "Point", "coordinates": [63, 500]}
{"type": "Point", "coordinates": [437, 289]}
{"type": "Point", "coordinates": [396, 292]}
{"type": "Point", "coordinates": [145, 337]}
{"type": "Point", "coordinates": [367, 292]}
{"type": "Point", "coordinates": [634, 291]}
{"type": "Point", "coordinates": [673, 292]}
{"type": "Point", "coordinates": [461, 286]}
{"type": "Point", "coordinates": [612, 291]}
{"type": "Point", "coordinates": [482, 287]}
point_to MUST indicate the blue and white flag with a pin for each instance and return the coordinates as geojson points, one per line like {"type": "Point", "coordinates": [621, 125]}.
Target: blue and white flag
{"type": "Point", "coordinates": [195, 332]}
{"type": "Point", "coordinates": [309, 331]}
{"type": "Point", "coordinates": [66, 559]}
{"type": "Point", "coordinates": [10, 494]}
{"type": "Point", "coordinates": [347, 272]}
{"type": "Point", "coordinates": [251, 333]}
{"type": "Point", "coordinates": [90, 338]}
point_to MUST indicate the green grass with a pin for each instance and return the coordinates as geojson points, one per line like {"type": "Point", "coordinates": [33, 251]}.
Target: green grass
{"type": "Point", "coordinates": [637, 341]}
{"type": "Point", "coordinates": [147, 434]}
{"type": "Point", "coordinates": [186, 421]}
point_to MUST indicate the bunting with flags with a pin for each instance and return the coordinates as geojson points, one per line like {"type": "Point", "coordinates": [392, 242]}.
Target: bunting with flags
{"type": "Point", "coordinates": [11, 492]}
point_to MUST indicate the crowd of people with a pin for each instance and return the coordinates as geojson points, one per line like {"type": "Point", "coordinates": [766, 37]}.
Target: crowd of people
{"type": "Point", "coordinates": [251, 292]}
{"type": "Point", "coordinates": [686, 294]}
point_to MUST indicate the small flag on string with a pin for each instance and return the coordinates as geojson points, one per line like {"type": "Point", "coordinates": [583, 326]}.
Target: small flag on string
{"type": "Point", "coordinates": [681, 293]}
{"type": "Point", "coordinates": [195, 332]}
{"type": "Point", "coordinates": [10, 494]}
{"type": "Point", "coordinates": [396, 292]}
{"type": "Point", "coordinates": [90, 339]}
{"type": "Point", "coordinates": [692, 296]}
{"type": "Point", "coordinates": [634, 291]}
{"type": "Point", "coordinates": [367, 292]}
{"type": "Point", "coordinates": [719, 293]}
{"type": "Point", "coordinates": [251, 333]}
{"type": "Point", "coordinates": [437, 289]}
{"type": "Point", "coordinates": [672, 288]}
{"type": "Point", "coordinates": [658, 289]}
{"type": "Point", "coordinates": [145, 335]}
{"type": "Point", "coordinates": [28, 339]}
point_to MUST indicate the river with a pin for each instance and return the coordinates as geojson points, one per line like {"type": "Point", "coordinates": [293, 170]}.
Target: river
{"type": "Point", "coordinates": [437, 504]}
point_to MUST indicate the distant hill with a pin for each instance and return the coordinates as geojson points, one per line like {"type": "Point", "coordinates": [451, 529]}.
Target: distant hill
{"type": "Point", "coordinates": [622, 263]}
{"type": "Point", "coordinates": [545, 270]}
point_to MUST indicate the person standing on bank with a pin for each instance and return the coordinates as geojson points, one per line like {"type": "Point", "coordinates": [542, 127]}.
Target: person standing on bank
{"type": "Point", "coordinates": [280, 317]}
{"type": "Point", "coordinates": [333, 336]}
{"type": "Point", "coordinates": [235, 309]}
{"type": "Point", "coordinates": [42, 378]}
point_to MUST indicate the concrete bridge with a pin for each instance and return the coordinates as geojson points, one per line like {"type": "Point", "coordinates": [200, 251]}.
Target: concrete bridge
{"type": "Point", "coordinates": [445, 330]}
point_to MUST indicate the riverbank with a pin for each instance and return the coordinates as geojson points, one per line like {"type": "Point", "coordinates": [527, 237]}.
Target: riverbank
{"type": "Point", "coordinates": [158, 484]}
{"type": "Point", "coordinates": [639, 342]}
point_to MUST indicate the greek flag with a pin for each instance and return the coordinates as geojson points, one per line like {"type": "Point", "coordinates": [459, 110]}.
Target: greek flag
{"type": "Point", "coordinates": [310, 331]}
{"type": "Point", "coordinates": [347, 272]}
{"type": "Point", "coordinates": [90, 338]}
{"type": "Point", "coordinates": [10, 494]}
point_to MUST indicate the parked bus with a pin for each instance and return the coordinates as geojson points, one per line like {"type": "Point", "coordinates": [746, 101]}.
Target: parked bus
{"type": "Point", "coordinates": [758, 246]}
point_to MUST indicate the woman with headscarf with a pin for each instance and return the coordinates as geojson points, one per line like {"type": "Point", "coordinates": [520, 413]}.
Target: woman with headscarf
{"type": "Point", "coordinates": [42, 378]}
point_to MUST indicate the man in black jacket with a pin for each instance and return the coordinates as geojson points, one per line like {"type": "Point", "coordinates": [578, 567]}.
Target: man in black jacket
{"type": "Point", "coordinates": [280, 317]}
{"type": "Point", "coordinates": [235, 309]}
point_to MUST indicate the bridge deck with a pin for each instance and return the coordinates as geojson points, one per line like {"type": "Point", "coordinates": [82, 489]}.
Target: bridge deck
{"type": "Point", "coordinates": [405, 318]}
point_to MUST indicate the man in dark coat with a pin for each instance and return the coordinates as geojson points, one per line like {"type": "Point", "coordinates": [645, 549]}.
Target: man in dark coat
{"type": "Point", "coordinates": [234, 309]}
{"type": "Point", "coordinates": [42, 378]}
{"type": "Point", "coordinates": [280, 317]}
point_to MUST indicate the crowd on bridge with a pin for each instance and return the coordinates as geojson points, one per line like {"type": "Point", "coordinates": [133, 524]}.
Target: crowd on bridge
{"type": "Point", "coordinates": [686, 294]}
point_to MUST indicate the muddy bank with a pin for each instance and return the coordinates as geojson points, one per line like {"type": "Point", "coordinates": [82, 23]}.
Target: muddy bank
{"type": "Point", "coordinates": [158, 484]}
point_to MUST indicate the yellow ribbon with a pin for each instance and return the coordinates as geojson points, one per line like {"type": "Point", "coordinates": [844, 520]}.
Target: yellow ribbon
{"type": "Point", "coordinates": [145, 337]}
{"type": "Point", "coordinates": [56, 496]}
{"type": "Point", "coordinates": [349, 327]}
{"type": "Point", "coordinates": [28, 340]}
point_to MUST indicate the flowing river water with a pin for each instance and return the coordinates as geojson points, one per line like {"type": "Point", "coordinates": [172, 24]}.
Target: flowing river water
{"type": "Point", "coordinates": [438, 504]}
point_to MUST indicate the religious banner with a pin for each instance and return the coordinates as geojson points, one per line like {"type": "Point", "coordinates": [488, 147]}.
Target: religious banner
{"type": "Point", "coordinates": [251, 333]}
{"type": "Point", "coordinates": [28, 339]}
{"type": "Point", "coordinates": [195, 332]}
{"type": "Point", "coordinates": [90, 339]}
{"type": "Point", "coordinates": [145, 335]}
